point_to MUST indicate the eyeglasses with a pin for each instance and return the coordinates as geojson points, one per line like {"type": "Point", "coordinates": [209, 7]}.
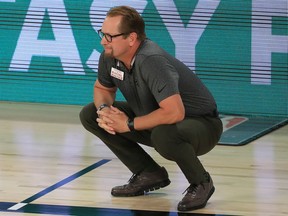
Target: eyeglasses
{"type": "Point", "coordinates": [108, 37]}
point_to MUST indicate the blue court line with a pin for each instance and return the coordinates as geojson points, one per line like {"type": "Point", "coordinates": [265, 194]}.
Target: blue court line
{"type": "Point", "coordinates": [64, 181]}
{"type": "Point", "coordinates": [61, 210]}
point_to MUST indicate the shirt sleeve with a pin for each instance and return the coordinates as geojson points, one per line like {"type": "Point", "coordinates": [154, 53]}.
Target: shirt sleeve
{"type": "Point", "coordinates": [160, 76]}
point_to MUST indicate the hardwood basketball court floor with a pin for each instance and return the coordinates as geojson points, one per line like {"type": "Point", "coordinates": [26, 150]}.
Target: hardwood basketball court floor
{"type": "Point", "coordinates": [49, 165]}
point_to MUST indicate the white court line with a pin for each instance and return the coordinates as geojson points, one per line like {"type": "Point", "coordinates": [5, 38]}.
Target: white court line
{"type": "Point", "coordinates": [17, 206]}
{"type": "Point", "coordinates": [7, 0]}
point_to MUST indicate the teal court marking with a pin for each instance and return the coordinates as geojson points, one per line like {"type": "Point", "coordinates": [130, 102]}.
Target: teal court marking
{"type": "Point", "coordinates": [241, 130]}
{"type": "Point", "coordinates": [20, 205]}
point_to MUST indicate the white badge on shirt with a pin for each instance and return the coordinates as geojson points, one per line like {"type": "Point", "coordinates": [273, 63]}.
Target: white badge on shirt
{"type": "Point", "coordinates": [118, 74]}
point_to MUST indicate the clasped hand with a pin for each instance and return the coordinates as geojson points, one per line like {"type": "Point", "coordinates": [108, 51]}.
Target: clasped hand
{"type": "Point", "coordinates": [112, 120]}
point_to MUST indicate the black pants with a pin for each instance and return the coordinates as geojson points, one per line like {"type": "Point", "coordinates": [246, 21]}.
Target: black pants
{"type": "Point", "coordinates": [182, 142]}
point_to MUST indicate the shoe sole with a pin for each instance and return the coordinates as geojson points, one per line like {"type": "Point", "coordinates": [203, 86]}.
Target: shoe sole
{"type": "Point", "coordinates": [144, 190]}
{"type": "Point", "coordinates": [199, 206]}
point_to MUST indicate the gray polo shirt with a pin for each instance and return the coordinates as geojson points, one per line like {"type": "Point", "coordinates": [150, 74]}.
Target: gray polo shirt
{"type": "Point", "coordinates": [154, 76]}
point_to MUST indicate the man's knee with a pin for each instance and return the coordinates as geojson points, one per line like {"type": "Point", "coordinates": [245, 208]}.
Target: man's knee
{"type": "Point", "coordinates": [87, 115]}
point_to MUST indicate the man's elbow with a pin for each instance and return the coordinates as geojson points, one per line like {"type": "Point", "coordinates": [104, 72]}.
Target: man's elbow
{"type": "Point", "coordinates": [178, 115]}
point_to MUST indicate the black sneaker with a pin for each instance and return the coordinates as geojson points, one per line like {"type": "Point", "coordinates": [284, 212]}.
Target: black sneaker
{"type": "Point", "coordinates": [196, 196]}
{"type": "Point", "coordinates": [141, 183]}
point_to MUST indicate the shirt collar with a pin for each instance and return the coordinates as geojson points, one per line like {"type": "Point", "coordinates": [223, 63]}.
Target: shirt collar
{"type": "Point", "coordinates": [133, 59]}
{"type": "Point", "coordinates": [119, 63]}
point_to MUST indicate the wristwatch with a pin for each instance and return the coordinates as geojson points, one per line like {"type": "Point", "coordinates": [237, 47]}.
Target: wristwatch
{"type": "Point", "coordinates": [130, 124]}
{"type": "Point", "coordinates": [102, 106]}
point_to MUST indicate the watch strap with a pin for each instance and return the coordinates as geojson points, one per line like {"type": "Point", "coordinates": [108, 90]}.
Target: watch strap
{"type": "Point", "coordinates": [102, 106]}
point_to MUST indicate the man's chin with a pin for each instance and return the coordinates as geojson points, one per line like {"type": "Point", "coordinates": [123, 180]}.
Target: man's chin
{"type": "Point", "coordinates": [108, 54]}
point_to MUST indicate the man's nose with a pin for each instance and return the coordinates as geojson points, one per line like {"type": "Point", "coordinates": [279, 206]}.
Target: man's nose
{"type": "Point", "coordinates": [103, 41]}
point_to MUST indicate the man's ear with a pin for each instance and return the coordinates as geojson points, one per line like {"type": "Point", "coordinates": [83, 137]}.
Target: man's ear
{"type": "Point", "coordinates": [133, 38]}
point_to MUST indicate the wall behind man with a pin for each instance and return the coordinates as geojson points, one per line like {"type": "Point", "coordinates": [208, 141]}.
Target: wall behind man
{"type": "Point", "coordinates": [49, 49]}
